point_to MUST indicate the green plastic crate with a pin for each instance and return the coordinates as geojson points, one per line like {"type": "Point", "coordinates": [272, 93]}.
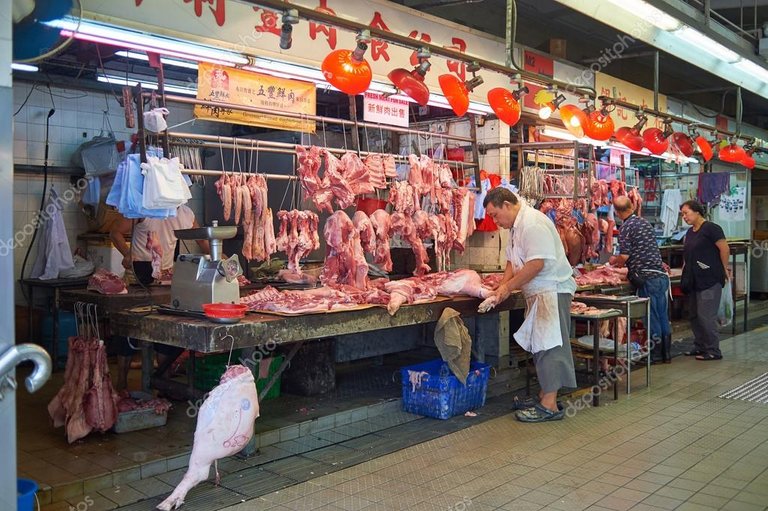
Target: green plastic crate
{"type": "Point", "coordinates": [208, 371]}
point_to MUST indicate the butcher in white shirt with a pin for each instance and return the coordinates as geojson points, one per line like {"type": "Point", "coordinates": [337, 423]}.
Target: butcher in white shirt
{"type": "Point", "coordinates": [537, 265]}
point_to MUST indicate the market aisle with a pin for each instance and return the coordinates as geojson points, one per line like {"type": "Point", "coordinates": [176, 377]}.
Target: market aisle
{"type": "Point", "coordinates": [678, 446]}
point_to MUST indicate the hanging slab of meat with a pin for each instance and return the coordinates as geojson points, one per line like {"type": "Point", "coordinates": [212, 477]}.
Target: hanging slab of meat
{"type": "Point", "coordinates": [156, 250]}
{"type": "Point", "coordinates": [270, 243]}
{"type": "Point", "coordinates": [404, 226]}
{"type": "Point", "coordinates": [408, 290]}
{"type": "Point", "coordinates": [608, 243]}
{"type": "Point", "coordinates": [298, 236]}
{"type": "Point", "coordinates": [345, 260]}
{"type": "Point", "coordinates": [404, 197]}
{"type": "Point", "coordinates": [574, 244]}
{"type": "Point", "coordinates": [224, 425]}
{"type": "Point", "coordinates": [636, 200]}
{"type": "Point", "coordinates": [445, 232]}
{"type": "Point", "coordinates": [414, 174]}
{"type": "Point", "coordinates": [367, 234]}
{"type": "Point", "coordinates": [245, 192]}
{"type": "Point", "coordinates": [101, 399]}
{"type": "Point", "coordinates": [56, 408]}
{"type": "Point", "coordinates": [443, 200]}
{"type": "Point", "coordinates": [315, 188]}
{"type": "Point", "coordinates": [471, 221]}
{"type": "Point", "coordinates": [463, 282]}
{"type": "Point", "coordinates": [430, 175]}
{"type": "Point", "coordinates": [374, 163]}
{"type": "Point", "coordinates": [390, 169]}
{"type": "Point", "coordinates": [357, 175]}
{"type": "Point", "coordinates": [237, 196]}
{"type": "Point", "coordinates": [340, 187]}
{"type": "Point", "coordinates": [382, 226]}
{"type": "Point", "coordinates": [106, 283]}
{"type": "Point", "coordinates": [591, 231]}
{"type": "Point", "coordinates": [618, 188]}
{"type": "Point", "coordinates": [224, 189]}
{"type": "Point", "coordinates": [462, 215]}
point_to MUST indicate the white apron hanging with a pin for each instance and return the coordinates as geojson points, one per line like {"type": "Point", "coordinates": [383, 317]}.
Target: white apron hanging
{"type": "Point", "coordinates": [541, 329]}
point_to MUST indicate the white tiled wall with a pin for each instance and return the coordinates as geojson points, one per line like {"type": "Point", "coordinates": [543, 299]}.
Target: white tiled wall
{"type": "Point", "coordinates": [79, 116]}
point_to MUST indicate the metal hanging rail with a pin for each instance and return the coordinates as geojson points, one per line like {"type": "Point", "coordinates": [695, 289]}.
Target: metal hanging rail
{"type": "Point", "coordinates": [317, 118]}
{"type": "Point", "coordinates": [248, 144]}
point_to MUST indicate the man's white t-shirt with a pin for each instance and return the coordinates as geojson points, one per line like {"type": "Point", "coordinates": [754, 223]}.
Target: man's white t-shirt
{"type": "Point", "coordinates": [163, 229]}
{"type": "Point", "coordinates": [534, 236]}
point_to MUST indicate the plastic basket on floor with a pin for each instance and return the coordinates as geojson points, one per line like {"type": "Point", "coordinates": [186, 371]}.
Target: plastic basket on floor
{"type": "Point", "coordinates": [431, 389]}
{"type": "Point", "coordinates": [25, 494]}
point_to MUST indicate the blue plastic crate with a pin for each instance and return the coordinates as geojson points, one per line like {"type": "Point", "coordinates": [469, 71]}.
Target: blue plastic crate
{"type": "Point", "coordinates": [440, 394]}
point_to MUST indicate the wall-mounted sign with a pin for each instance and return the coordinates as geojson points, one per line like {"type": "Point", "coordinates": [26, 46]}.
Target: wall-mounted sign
{"type": "Point", "coordinates": [385, 110]}
{"type": "Point", "coordinates": [221, 84]}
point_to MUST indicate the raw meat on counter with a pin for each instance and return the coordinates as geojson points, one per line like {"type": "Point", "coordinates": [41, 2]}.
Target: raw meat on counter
{"type": "Point", "coordinates": [408, 290]}
{"type": "Point", "coordinates": [298, 236]}
{"type": "Point", "coordinates": [607, 275]}
{"type": "Point", "coordinates": [382, 226]}
{"type": "Point", "coordinates": [87, 401]}
{"type": "Point", "coordinates": [345, 259]}
{"type": "Point", "coordinates": [306, 301]}
{"type": "Point", "coordinates": [492, 280]}
{"type": "Point", "coordinates": [106, 283]}
{"type": "Point", "coordinates": [465, 283]}
{"type": "Point", "coordinates": [292, 277]}
{"type": "Point", "coordinates": [224, 425]}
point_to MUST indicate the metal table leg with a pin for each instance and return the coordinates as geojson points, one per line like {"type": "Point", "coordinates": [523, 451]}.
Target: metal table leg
{"type": "Point", "coordinates": [55, 336]}
{"type": "Point", "coordinates": [147, 365]}
{"type": "Point", "coordinates": [596, 361]}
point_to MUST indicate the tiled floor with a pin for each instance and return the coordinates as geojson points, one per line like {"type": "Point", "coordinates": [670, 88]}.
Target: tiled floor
{"type": "Point", "coordinates": [676, 446]}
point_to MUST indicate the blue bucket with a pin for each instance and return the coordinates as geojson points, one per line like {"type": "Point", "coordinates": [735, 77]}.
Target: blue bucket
{"type": "Point", "coordinates": [25, 490]}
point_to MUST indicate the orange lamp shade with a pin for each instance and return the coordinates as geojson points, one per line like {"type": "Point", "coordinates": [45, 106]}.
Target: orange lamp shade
{"type": "Point", "coordinates": [346, 73]}
{"type": "Point", "coordinates": [411, 83]}
{"type": "Point", "coordinates": [630, 137]}
{"type": "Point", "coordinates": [655, 141]}
{"type": "Point", "coordinates": [705, 147]}
{"type": "Point", "coordinates": [683, 143]}
{"type": "Point", "coordinates": [748, 161]}
{"type": "Point", "coordinates": [574, 119]}
{"type": "Point", "coordinates": [455, 92]}
{"type": "Point", "coordinates": [600, 126]}
{"type": "Point", "coordinates": [732, 153]}
{"type": "Point", "coordinates": [505, 105]}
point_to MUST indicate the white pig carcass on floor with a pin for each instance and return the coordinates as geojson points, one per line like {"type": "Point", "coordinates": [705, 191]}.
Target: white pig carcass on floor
{"type": "Point", "coordinates": [224, 425]}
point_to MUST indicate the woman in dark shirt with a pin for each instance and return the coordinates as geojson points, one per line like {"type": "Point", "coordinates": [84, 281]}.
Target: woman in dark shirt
{"type": "Point", "coordinates": [705, 272]}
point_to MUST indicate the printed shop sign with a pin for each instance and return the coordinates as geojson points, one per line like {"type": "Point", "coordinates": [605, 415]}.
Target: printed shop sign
{"type": "Point", "coordinates": [221, 84]}
{"type": "Point", "coordinates": [384, 110]}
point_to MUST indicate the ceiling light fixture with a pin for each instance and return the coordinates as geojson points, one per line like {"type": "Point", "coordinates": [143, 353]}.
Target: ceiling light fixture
{"type": "Point", "coordinates": [656, 140]}
{"type": "Point", "coordinates": [650, 14]}
{"type": "Point", "coordinates": [412, 82]}
{"type": "Point", "coordinates": [506, 104]}
{"type": "Point", "coordinates": [630, 137]}
{"type": "Point", "coordinates": [546, 111]}
{"type": "Point", "coordinates": [166, 61]}
{"type": "Point", "coordinates": [682, 143]}
{"type": "Point", "coordinates": [348, 70]}
{"type": "Point", "coordinates": [732, 153]}
{"type": "Point", "coordinates": [456, 91]}
{"type": "Point", "coordinates": [706, 43]}
{"type": "Point", "coordinates": [24, 67]}
{"type": "Point", "coordinates": [600, 125]}
{"type": "Point", "coordinates": [705, 148]}
{"type": "Point", "coordinates": [575, 118]}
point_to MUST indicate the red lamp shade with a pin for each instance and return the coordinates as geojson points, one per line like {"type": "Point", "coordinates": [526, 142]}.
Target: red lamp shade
{"type": "Point", "coordinates": [505, 105]}
{"type": "Point", "coordinates": [630, 137]}
{"type": "Point", "coordinates": [705, 147]}
{"type": "Point", "coordinates": [347, 70]}
{"type": "Point", "coordinates": [732, 153]}
{"type": "Point", "coordinates": [411, 83]}
{"type": "Point", "coordinates": [683, 143]}
{"type": "Point", "coordinates": [655, 141]}
{"type": "Point", "coordinates": [574, 119]}
{"type": "Point", "coordinates": [457, 91]}
{"type": "Point", "coordinates": [748, 161]}
{"type": "Point", "coordinates": [600, 126]}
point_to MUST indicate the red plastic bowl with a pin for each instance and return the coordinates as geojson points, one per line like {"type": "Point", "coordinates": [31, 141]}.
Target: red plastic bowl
{"type": "Point", "coordinates": [224, 310]}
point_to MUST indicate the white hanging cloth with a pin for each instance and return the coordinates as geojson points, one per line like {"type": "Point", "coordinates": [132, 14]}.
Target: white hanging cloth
{"type": "Point", "coordinates": [53, 252]}
{"type": "Point", "coordinates": [670, 210]}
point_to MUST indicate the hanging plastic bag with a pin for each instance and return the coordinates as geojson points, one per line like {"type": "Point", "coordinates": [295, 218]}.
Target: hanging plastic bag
{"type": "Point", "coordinates": [725, 312]}
{"type": "Point", "coordinates": [100, 155]}
{"type": "Point", "coordinates": [154, 120]}
{"type": "Point", "coordinates": [164, 185]}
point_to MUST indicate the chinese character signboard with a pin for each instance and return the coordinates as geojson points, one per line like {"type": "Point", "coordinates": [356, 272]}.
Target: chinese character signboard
{"type": "Point", "coordinates": [384, 110]}
{"type": "Point", "coordinates": [218, 84]}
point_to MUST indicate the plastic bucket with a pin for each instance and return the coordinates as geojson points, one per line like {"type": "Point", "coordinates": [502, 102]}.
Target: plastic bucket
{"type": "Point", "coordinates": [25, 491]}
{"type": "Point", "coordinates": [368, 206]}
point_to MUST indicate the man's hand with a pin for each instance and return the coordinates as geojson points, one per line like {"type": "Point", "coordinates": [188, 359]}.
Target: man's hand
{"type": "Point", "coordinates": [128, 262]}
{"type": "Point", "coordinates": [729, 274]}
{"type": "Point", "coordinates": [489, 303]}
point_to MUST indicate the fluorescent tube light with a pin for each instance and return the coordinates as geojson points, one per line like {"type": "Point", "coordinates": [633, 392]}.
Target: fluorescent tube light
{"type": "Point", "coordinates": [121, 80]}
{"type": "Point", "coordinates": [649, 14]}
{"type": "Point", "coordinates": [168, 62]}
{"type": "Point", "coordinates": [96, 32]}
{"type": "Point", "coordinates": [753, 68]}
{"type": "Point", "coordinates": [24, 67]}
{"type": "Point", "coordinates": [707, 44]}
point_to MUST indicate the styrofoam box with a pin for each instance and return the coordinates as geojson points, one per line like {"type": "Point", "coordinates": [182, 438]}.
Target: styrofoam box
{"type": "Point", "coordinates": [107, 257]}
